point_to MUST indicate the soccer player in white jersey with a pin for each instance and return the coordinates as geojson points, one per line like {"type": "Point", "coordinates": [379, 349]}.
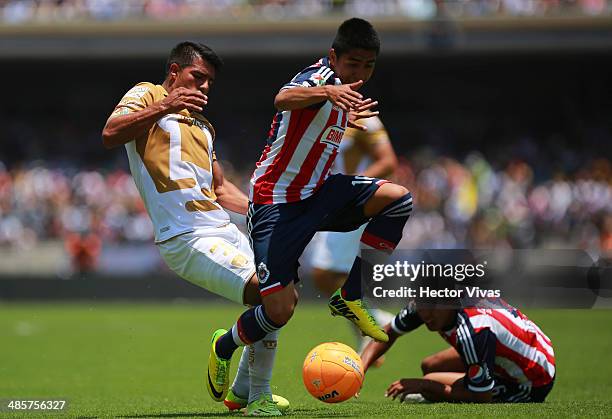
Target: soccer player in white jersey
{"type": "Point", "coordinates": [293, 194]}
{"type": "Point", "coordinates": [170, 147]}
{"type": "Point", "coordinates": [366, 153]}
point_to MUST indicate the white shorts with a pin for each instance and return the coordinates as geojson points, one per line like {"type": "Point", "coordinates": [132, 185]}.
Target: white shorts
{"type": "Point", "coordinates": [336, 251]}
{"type": "Point", "coordinates": [217, 259]}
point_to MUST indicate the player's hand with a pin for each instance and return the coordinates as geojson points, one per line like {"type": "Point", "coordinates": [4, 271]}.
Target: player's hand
{"type": "Point", "coordinates": [183, 98]}
{"type": "Point", "coordinates": [345, 96]}
{"type": "Point", "coordinates": [360, 112]}
{"type": "Point", "coordinates": [402, 388]}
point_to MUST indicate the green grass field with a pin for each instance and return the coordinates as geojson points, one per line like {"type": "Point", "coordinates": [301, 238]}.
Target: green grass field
{"type": "Point", "coordinates": [135, 360]}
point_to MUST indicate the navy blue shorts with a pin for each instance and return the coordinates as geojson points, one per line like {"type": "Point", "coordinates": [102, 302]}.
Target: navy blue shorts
{"type": "Point", "coordinates": [506, 392]}
{"type": "Point", "coordinates": [279, 233]}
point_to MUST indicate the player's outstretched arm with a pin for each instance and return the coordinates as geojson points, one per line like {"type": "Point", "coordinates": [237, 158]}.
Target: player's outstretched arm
{"type": "Point", "coordinates": [343, 95]}
{"type": "Point", "coordinates": [384, 160]}
{"type": "Point", "coordinates": [228, 194]}
{"type": "Point", "coordinates": [437, 387]}
{"type": "Point", "coordinates": [121, 128]}
{"type": "Point", "coordinates": [375, 350]}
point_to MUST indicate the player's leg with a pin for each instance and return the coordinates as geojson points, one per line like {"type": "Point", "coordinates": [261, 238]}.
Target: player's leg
{"type": "Point", "coordinates": [256, 322]}
{"type": "Point", "coordinates": [276, 262]}
{"type": "Point", "coordinates": [238, 394]}
{"type": "Point", "coordinates": [447, 360]}
{"type": "Point", "coordinates": [258, 358]}
{"type": "Point", "coordinates": [328, 281]}
{"type": "Point", "coordinates": [218, 264]}
{"type": "Point", "coordinates": [223, 264]}
{"type": "Point", "coordinates": [251, 296]}
{"type": "Point", "coordinates": [212, 262]}
{"type": "Point", "coordinates": [254, 374]}
{"type": "Point", "coordinates": [447, 378]}
{"type": "Point", "coordinates": [386, 208]}
{"type": "Point", "coordinates": [255, 328]}
{"type": "Point", "coordinates": [332, 257]}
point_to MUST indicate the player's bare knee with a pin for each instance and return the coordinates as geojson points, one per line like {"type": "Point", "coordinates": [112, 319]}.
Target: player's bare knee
{"type": "Point", "coordinates": [384, 196]}
{"type": "Point", "coordinates": [427, 365]}
{"type": "Point", "coordinates": [281, 313]}
{"type": "Point", "coordinates": [395, 192]}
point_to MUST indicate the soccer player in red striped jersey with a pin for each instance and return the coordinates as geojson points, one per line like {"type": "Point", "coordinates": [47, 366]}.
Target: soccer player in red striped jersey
{"type": "Point", "coordinates": [496, 354]}
{"type": "Point", "coordinates": [293, 194]}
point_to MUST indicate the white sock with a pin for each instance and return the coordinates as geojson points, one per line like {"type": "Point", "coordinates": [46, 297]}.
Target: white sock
{"type": "Point", "coordinates": [240, 387]}
{"type": "Point", "coordinates": [261, 365]}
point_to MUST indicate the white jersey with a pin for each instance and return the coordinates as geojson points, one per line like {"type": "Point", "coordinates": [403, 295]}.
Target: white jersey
{"type": "Point", "coordinates": [172, 167]}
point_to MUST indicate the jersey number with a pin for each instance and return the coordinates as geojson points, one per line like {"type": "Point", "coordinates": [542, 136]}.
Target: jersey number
{"type": "Point", "coordinates": [171, 161]}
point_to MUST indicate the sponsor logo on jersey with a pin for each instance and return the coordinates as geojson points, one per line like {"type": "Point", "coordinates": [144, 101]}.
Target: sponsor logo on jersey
{"type": "Point", "coordinates": [478, 373]}
{"type": "Point", "coordinates": [137, 92]}
{"type": "Point", "coordinates": [263, 273]}
{"type": "Point", "coordinates": [193, 121]}
{"type": "Point", "coordinates": [333, 136]}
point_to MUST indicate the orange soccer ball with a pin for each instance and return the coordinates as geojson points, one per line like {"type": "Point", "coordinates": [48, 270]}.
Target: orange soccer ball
{"type": "Point", "coordinates": [332, 372]}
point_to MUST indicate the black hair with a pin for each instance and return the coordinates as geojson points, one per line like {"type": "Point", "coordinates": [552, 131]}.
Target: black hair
{"type": "Point", "coordinates": [356, 33]}
{"type": "Point", "coordinates": [186, 52]}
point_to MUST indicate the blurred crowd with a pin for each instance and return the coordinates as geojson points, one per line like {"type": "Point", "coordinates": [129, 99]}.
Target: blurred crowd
{"type": "Point", "coordinates": [458, 203]}
{"type": "Point", "coordinates": [42, 203]}
{"type": "Point", "coordinates": [472, 204]}
{"type": "Point", "coordinates": [20, 11]}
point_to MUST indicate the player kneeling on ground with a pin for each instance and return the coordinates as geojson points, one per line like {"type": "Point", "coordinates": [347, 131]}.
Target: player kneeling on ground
{"type": "Point", "coordinates": [497, 354]}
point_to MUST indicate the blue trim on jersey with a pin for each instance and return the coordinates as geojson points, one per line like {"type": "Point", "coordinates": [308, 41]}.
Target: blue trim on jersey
{"type": "Point", "coordinates": [276, 123]}
{"type": "Point", "coordinates": [307, 78]}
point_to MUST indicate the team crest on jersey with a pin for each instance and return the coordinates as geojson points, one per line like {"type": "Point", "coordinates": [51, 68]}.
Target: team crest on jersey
{"type": "Point", "coordinates": [333, 135]}
{"type": "Point", "coordinates": [318, 79]}
{"type": "Point", "coordinates": [263, 273]}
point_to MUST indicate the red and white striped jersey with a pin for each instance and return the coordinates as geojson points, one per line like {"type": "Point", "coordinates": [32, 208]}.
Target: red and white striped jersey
{"type": "Point", "coordinates": [301, 146]}
{"type": "Point", "coordinates": [494, 343]}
